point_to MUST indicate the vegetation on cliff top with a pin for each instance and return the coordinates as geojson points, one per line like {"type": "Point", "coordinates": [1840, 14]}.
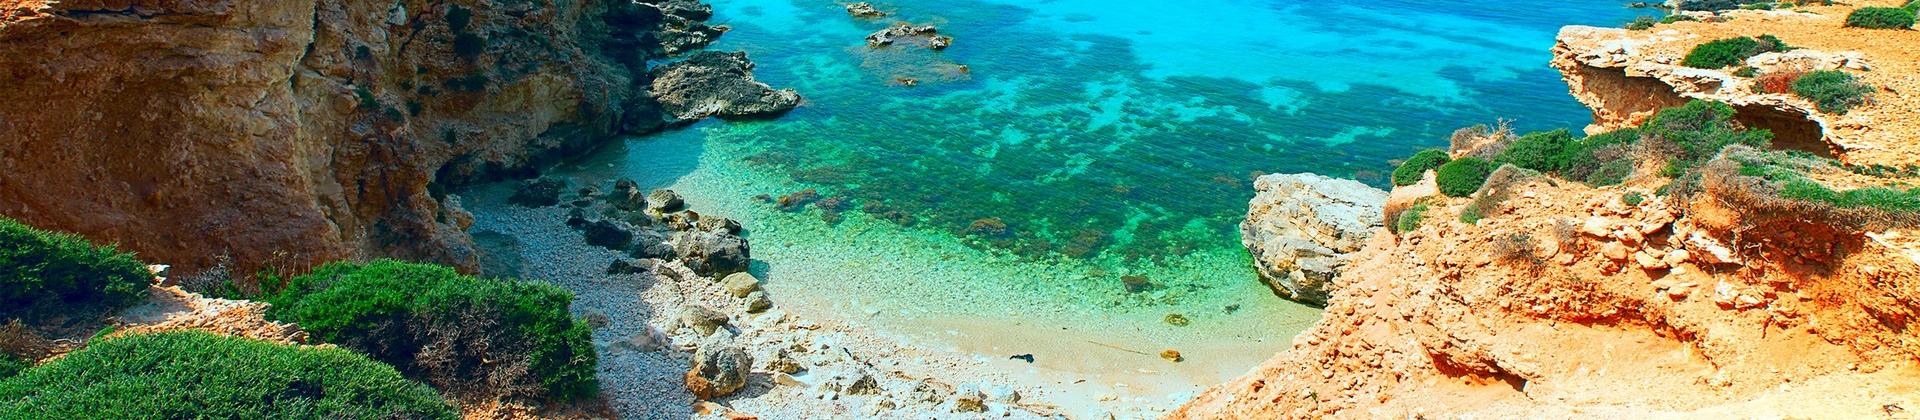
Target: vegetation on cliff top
{"type": "Point", "coordinates": [1883, 17]}
{"type": "Point", "coordinates": [470, 337]}
{"type": "Point", "coordinates": [202, 375]}
{"type": "Point", "coordinates": [44, 273]}
{"type": "Point", "coordinates": [1416, 167]}
{"type": "Point", "coordinates": [1835, 92]}
{"type": "Point", "coordinates": [1728, 52]}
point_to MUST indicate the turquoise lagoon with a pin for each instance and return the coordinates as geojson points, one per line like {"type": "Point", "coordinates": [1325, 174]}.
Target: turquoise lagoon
{"type": "Point", "coordinates": [1110, 138]}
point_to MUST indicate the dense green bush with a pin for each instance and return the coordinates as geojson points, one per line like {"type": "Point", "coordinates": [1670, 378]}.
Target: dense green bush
{"type": "Point", "coordinates": [1732, 51]}
{"type": "Point", "coordinates": [42, 272]}
{"type": "Point", "coordinates": [1461, 177]}
{"type": "Point", "coordinates": [1698, 130]}
{"type": "Point", "coordinates": [1835, 92]}
{"type": "Point", "coordinates": [1881, 18]}
{"type": "Point", "coordinates": [470, 337]}
{"type": "Point", "coordinates": [1544, 151]}
{"type": "Point", "coordinates": [469, 46]}
{"type": "Point", "coordinates": [1410, 219]}
{"type": "Point", "coordinates": [1417, 166]}
{"type": "Point", "coordinates": [188, 375]}
{"type": "Point", "coordinates": [1610, 173]}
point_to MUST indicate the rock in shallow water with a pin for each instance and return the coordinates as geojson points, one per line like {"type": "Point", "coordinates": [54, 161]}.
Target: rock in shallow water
{"type": "Point", "coordinates": [1302, 227]}
{"type": "Point", "coordinates": [740, 284]}
{"type": "Point", "coordinates": [711, 254]}
{"type": "Point", "coordinates": [716, 84]}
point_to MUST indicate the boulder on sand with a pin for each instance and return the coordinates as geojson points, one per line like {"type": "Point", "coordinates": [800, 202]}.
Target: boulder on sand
{"type": "Point", "coordinates": [1301, 228]}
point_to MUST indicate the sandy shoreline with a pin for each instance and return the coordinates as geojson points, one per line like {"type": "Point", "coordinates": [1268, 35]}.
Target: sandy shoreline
{"type": "Point", "coordinates": [1079, 372]}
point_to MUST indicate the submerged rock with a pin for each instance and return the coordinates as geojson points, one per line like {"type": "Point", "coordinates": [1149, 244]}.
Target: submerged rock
{"type": "Point", "coordinates": [715, 84]}
{"type": "Point", "coordinates": [608, 234]}
{"type": "Point", "coordinates": [536, 193]}
{"type": "Point", "coordinates": [864, 10]}
{"type": "Point", "coordinates": [1301, 228]}
{"type": "Point", "coordinates": [922, 35]}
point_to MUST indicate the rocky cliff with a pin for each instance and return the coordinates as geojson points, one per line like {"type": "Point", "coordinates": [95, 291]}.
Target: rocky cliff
{"type": "Point", "coordinates": [1302, 228]}
{"type": "Point", "coordinates": [285, 133]}
{"type": "Point", "coordinates": [1566, 300]}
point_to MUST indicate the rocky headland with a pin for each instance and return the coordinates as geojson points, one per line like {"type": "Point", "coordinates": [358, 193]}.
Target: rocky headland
{"type": "Point", "coordinates": [176, 129]}
{"type": "Point", "coordinates": [1303, 228]}
{"type": "Point", "coordinates": [1538, 296]}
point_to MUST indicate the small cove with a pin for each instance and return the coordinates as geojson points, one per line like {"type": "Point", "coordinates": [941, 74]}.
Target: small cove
{"type": "Point", "coordinates": [1110, 140]}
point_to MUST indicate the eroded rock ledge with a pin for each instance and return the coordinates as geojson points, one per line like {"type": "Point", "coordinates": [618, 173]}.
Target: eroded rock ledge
{"type": "Point", "coordinates": [1302, 229]}
{"type": "Point", "coordinates": [287, 133]}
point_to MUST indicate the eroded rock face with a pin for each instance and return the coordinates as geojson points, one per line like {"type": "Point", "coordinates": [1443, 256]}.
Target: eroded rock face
{"type": "Point", "coordinates": [1301, 229]}
{"type": "Point", "coordinates": [716, 84]}
{"type": "Point", "coordinates": [296, 132]}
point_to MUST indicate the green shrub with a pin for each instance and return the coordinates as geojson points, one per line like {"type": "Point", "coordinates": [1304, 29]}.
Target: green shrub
{"type": "Point", "coordinates": [1417, 166]}
{"type": "Point", "coordinates": [458, 18]}
{"type": "Point", "coordinates": [10, 366]}
{"type": "Point", "coordinates": [1633, 199]}
{"type": "Point", "coordinates": [1699, 130]}
{"type": "Point", "coordinates": [464, 335]}
{"type": "Point", "coordinates": [183, 375]}
{"type": "Point", "coordinates": [1461, 177]}
{"type": "Point", "coordinates": [1731, 51]}
{"type": "Point", "coordinates": [1543, 151]}
{"type": "Point", "coordinates": [1881, 18]}
{"type": "Point", "coordinates": [1835, 92]}
{"type": "Point", "coordinates": [1611, 173]}
{"type": "Point", "coordinates": [43, 272]}
{"type": "Point", "coordinates": [1777, 184]}
{"type": "Point", "coordinates": [1642, 23]}
{"type": "Point", "coordinates": [1410, 219]}
{"type": "Point", "coordinates": [1677, 18]}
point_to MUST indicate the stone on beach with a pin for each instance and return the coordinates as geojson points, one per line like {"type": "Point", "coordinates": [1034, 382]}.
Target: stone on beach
{"type": "Point", "coordinates": [720, 368]}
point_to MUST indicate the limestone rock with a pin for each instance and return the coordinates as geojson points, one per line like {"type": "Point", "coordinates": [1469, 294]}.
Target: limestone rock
{"type": "Point", "coordinates": [702, 319]}
{"type": "Point", "coordinates": [282, 132]}
{"type": "Point", "coordinates": [757, 302]}
{"type": "Point", "coordinates": [864, 10]}
{"type": "Point", "coordinates": [715, 84]}
{"type": "Point", "coordinates": [740, 284]}
{"type": "Point", "coordinates": [712, 254]}
{"type": "Point", "coordinates": [665, 201]}
{"type": "Point", "coordinates": [720, 368]}
{"type": "Point", "coordinates": [1301, 228]}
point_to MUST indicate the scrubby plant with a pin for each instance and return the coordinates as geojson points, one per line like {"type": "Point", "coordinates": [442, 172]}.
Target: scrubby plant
{"type": "Point", "coordinates": [1717, 5]}
{"type": "Point", "coordinates": [1697, 131]}
{"type": "Point", "coordinates": [1834, 92]}
{"type": "Point", "coordinates": [1882, 18]}
{"type": "Point", "coordinates": [1633, 198]}
{"type": "Point", "coordinates": [42, 272]}
{"type": "Point", "coordinates": [1461, 177]}
{"type": "Point", "coordinates": [1732, 51]}
{"type": "Point", "coordinates": [1642, 23]}
{"type": "Point", "coordinates": [1498, 187]}
{"type": "Point", "coordinates": [195, 374]}
{"type": "Point", "coordinates": [1678, 18]}
{"type": "Point", "coordinates": [1779, 183]}
{"type": "Point", "coordinates": [1542, 151]}
{"type": "Point", "coordinates": [1417, 166]}
{"type": "Point", "coordinates": [1610, 173]}
{"type": "Point", "coordinates": [468, 45]}
{"type": "Point", "coordinates": [1410, 219]}
{"type": "Point", "coordinates": [471, 337]}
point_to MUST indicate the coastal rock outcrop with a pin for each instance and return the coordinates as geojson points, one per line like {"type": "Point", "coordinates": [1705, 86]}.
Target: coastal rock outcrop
{"type": "Point", "coordinates": [1302, 229]}
{"type": "Point", "coordinates": [920, 35]}
{"type": "Point", "coordinates": [1649, 298]}
{"type": "Point", "coordinates": [1627, 76]}
{"type": "Point", "coordinates": [179, 128]}
{"type": "Point", "coordinates": [716, 84]}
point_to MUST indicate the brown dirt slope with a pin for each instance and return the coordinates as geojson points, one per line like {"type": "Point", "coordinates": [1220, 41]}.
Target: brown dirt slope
{"type": "Point", "coordinates": [1566, 301]}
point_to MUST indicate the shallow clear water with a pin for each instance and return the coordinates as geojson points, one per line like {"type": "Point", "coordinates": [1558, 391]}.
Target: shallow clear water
{"type": "Point", "coordinates": [1111, 138]}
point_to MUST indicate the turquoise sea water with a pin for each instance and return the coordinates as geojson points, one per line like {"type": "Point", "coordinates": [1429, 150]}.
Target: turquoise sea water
{"type": "Point", "coordinates": [1060, 145]}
